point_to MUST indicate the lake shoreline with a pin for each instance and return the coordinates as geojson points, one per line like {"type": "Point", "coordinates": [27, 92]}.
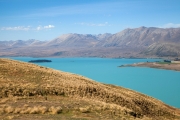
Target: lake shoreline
{"type": "Point", "coordinates": [130, 77]}
{"type": "Point", "coordinates": [167, 66]}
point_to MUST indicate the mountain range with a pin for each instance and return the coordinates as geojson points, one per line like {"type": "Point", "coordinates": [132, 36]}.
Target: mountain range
{"type": "Point", "coordinates": [130, 43]}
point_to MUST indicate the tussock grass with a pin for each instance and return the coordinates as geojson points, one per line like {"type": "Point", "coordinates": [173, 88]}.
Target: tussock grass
{"type": "Point", "coordinates": [55, 110]}
{"type": "Point", "coordinates": [30, 110]}
{"type": "Point", "coordinates": [28, 82]}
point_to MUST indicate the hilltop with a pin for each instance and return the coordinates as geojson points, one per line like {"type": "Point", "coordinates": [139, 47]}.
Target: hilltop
{"type": "Point", "coordinates": [139, 42]}
{"type": "Point", "coordinates": [29, 91]}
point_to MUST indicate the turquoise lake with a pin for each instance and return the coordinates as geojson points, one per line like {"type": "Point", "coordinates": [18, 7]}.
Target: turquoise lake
{"type": "Point", "coordinates": [161, 84]}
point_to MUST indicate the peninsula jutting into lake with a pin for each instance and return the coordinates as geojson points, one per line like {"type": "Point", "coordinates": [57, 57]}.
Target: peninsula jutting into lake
{"type": "Point", "coordinates": [38, 61]}
{"type": "Point", "coordinates": [166, 64]}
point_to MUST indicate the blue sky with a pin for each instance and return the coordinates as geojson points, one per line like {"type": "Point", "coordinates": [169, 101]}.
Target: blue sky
{"type": "Point", "coordinates": [48, 19]}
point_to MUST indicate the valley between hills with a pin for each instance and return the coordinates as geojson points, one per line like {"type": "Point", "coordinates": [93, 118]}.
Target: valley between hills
{"type": "Point", "coordinates": [29, 91]}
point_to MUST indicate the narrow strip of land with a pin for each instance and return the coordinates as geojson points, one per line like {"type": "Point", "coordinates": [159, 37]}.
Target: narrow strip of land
{"type": "Point", "coordinates": [159, 65]}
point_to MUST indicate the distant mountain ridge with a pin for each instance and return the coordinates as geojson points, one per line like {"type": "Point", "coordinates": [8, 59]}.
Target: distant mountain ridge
{"type": "Point", "coordinates": [137, 42]}
{"type": "Point", "coordinates": [143, 37]}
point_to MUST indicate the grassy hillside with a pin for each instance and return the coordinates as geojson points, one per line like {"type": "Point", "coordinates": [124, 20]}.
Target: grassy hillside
{"type": "Point", "coordinates": [29, 91]}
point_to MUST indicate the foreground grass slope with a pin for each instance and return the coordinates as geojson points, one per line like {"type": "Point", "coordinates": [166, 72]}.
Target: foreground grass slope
{"type": "Point", "coordinates": [29, 91]}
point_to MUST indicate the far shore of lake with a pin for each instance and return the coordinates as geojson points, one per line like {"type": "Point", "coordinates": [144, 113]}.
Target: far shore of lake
{"type": "Point", "coordinates": [159, 65]}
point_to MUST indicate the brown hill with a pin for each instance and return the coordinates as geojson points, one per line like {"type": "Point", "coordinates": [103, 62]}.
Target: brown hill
{"type": "Point", "coordinates": [73, 40]}
{"type": "Point", "coordinates": [151, 41]}
{"type": "Point", "coordinates": [28, 91]}
{"type": "Point", "coordinates": [143, 37]}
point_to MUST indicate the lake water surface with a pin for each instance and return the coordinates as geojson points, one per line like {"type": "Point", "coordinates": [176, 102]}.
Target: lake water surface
{"type": "Point", "coordinates": [161, 84]}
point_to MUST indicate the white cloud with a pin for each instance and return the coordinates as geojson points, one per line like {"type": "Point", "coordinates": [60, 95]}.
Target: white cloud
{"type": "Point", "coordinates": [93, 24]}
{"type": "Point", "coordinates": [170, 25]}
{"type": "Point", "coordinates": [27, 28]}
{"type": "Point", "coordinates": [18, 28]}
{"type": "Point", "coordinates": [39, 28]}
{"type": "Point", "coordinates": [49, 26]}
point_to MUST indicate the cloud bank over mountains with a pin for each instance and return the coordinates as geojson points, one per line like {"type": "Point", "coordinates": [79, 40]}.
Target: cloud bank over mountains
{"type": "Point", "coordinates": [49, 27]}
{"type": "Point", "coordinates": [170, 25]}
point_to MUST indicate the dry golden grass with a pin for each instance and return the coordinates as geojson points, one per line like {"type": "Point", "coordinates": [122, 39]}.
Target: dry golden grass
{"type": "Point", "coordinates": [31, 91]}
